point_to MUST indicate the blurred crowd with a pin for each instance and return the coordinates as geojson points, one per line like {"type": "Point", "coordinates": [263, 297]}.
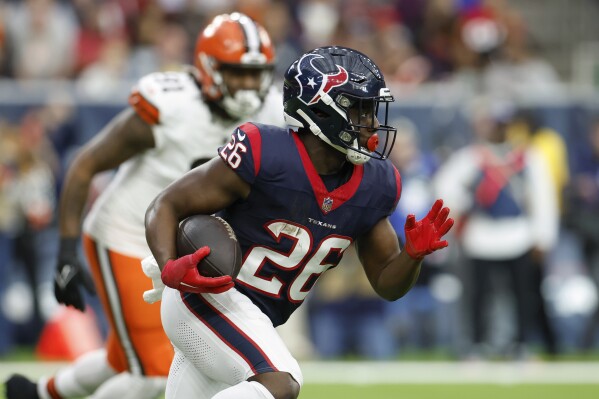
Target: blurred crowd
{"type": "Point", "coordinates": [414, 41]}
{"type": "Point", "coordinates": [520, 276]}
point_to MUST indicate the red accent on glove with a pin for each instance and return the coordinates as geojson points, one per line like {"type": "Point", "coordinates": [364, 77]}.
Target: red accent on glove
{"type": "Point", "coordinates": [182, 274]}
{"type": "Point", "coordinates": [423, 237]}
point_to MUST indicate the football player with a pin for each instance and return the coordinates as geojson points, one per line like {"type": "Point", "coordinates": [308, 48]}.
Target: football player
{"type": "Point", "coordinates": [296, 200]}
{"type": "Point", "coordinates": [176, 120]}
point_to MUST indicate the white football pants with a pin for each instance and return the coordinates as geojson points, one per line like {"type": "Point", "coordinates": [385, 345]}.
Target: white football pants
{"type": "Point", "coordinates": [220, 340]}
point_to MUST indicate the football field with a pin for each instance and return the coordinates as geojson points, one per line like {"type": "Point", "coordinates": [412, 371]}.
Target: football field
{"type": "Point", "coordinates": [444, 391]}
{"type": "Point", "coordinates": [423, 380]}
{"type": "Point", "coordinates": [463, 380]}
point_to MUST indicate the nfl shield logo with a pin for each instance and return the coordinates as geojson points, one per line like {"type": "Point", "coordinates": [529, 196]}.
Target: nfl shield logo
{"type": "Point", "coordinates": [327, 204]}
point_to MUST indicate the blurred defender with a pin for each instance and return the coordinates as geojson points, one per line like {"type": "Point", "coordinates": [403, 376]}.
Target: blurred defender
{"type": "Point", "coordinates": [176, 121]}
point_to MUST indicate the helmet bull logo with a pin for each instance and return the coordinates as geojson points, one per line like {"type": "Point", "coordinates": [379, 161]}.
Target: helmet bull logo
{"type": "Point", "coordinates": [314, 83]}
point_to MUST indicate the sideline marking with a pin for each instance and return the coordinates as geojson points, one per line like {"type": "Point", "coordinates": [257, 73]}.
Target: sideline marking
{"type": "Point", "coordinates": [364, 373]}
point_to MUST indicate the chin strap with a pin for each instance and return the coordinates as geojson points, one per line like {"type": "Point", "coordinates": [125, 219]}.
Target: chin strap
{"type": "Point", "coordinates": [355, 157]}
{"type": "Point", "coordinates": [352, 155]}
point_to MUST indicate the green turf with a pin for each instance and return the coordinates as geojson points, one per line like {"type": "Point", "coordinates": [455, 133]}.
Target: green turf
{"type": "Point", "coordinates": [436, 391]}
{"type": "Point", "coordinates": [446, 391]}
{"type": "Point", "coordinates": [458, 391]}
{"type": "Point", "coordinates": [22, 360]}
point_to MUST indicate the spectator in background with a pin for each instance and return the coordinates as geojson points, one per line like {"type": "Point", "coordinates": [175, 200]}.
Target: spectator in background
{"type": "Point", "coordinates": [167, 51]}
{"type": "Point", "coordinates": [526, 130]}
{"type": "Point", "coordinates": [476, 36]}
{"type": "Point", "coordinates": [347, 317]}
{"type": "Point", "coordinates": [172, 47]}
{"type": "Point", "coordinates": [416, 168]}
{"type": "Point", "coordinates": [117, 61]}
{"type": "Point", "coordinates": [415, 320]}
{"type": "Point", "coordinates": [41, 38]}
{"type": "Point", "coordinates": [209, 8]}
{"type": "Point", "coordinates": [516, 71]}
{"type": "Point", "coordinates": [319, 20]}
{"type": "Point", "coordinates": [3, 46]}
{"type": "Point", "coordinates": [99, 22]}
{"type": "Point", "coordinates": [284, 30]}
{"type": "Point", "coordinates": [401, 63]}
{"type": "Point", "coordinates": [582, 215]}
{"type": "Point", "coordinates": [27, 201]}
{"type": "Point", "coordinates": [508, 218]}
{"type": "Point", "coordinates": [484, 47]}
{"type": "Point", "coordinates": [256, 9]}
{"type": "Point", "coordinates": [9, 223]}
{"type": "Point", "coordinates": [34, 136]}
{"type": "Point", "coordinates": [431, 23]}
{"type": "Point", "coordinates": [103, 78]}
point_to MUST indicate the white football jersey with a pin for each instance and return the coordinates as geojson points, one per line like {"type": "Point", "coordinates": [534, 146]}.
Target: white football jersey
{"type": "Point", "coordinates": [185, 131]}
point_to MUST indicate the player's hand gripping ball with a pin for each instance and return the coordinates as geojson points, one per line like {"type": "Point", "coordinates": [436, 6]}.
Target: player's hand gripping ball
{"type": "Point", "coordinates": [209, 256]}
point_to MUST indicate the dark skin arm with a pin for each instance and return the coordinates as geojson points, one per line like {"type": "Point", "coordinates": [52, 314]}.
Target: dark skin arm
{"type": "Point", "coordinates": [391, 272]}
{"type": "Point", "coordinates": [204, 190]}
{"type": "Point", "coordinates": [124, 137]}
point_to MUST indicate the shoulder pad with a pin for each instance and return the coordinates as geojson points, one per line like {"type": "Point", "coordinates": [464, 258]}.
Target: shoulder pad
{"type": "Point", "coordinates": [159, 93]}
{"type": "Point", "coordinates": [144, 108]}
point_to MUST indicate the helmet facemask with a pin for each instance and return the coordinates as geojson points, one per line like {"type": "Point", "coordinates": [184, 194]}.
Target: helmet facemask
{"type": "Point", "coordinates": [338, 123]}
{"type": "Point", "coordinates": [245, 102]}
{"type": "Point", "coordinates": [372, 114]}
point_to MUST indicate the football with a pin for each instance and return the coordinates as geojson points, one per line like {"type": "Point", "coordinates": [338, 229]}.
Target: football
{"type": "Point", "coordinates": [206, 230]}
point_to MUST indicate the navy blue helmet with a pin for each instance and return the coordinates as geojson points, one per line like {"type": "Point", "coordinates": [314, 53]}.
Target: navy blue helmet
{"type": "Point", "coordinates": [321, 88]}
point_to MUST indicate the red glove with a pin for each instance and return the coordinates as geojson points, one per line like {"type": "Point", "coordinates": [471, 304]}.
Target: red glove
{"type": "Point", "coordinates": [423, 237]}
{"type": "Point", "coordinates": [182, 274]}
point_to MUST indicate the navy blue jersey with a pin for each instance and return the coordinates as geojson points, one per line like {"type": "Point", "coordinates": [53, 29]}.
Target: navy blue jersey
{"type": "Point", "coordinates": [291, 228]}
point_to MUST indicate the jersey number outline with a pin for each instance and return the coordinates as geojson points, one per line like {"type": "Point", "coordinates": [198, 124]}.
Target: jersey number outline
{"type": "Point", "coordinates": [234, 157]}
{"type": "Point", "coordinates": [297, 257]}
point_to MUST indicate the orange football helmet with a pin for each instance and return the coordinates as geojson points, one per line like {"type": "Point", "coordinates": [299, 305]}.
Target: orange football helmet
{"type": "Point", "coordinates": [233, 40]}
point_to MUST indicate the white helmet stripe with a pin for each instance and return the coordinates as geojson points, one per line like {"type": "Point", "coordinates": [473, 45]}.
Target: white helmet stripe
{"type": "Point", "coordinates": [251, 34]}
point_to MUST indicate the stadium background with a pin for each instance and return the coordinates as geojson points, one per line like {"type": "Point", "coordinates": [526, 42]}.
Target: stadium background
{"type": "Point", "coordinates": [66, 67]}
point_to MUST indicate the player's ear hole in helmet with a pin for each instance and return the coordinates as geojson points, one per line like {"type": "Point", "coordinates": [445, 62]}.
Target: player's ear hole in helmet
{"type": "Point", "coordinates": [234, 56]}
{"type": "Point", "coordinates": [336, 93]}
